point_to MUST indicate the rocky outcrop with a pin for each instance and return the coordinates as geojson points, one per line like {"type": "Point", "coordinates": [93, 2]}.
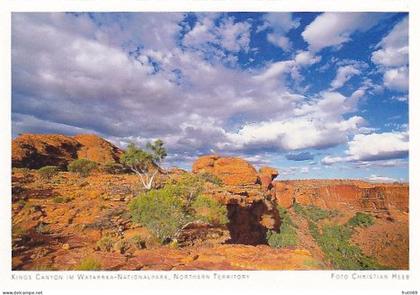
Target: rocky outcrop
{"type": "Point", "coordinates": [251, 209]}
{"type": "Point", "coordinates": [266, 176]}
{"type": "Point", "coordinates": [37, 150]}
{"type": "Point", "coordinates": [231, 170]}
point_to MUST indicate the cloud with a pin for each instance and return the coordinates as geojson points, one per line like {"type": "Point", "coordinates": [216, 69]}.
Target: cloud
{"type": "Point", "coordinates": [376, 178]}
{"type": "Point", "coordinates": [279, 24]}
{"type": "Point", "coordinates": [305, 58]}
{"type": "Point", "coordinates": [392, 57]}
{"type": "Point", "coordinates": [373, 147]}
{"type": "Point", "coordinates": [294, 170]}
{"type": "Point", "coordinates": [303, 156]}
{"type": "Point", "coordinates": [315, 124]}
{"type": "Point", "coordinates": [400, 98]}
{"type": "Point", "coordinates": [335, 28]}
{"type": "Point", "coordinates": [229, 35]}
{"type": "Point", "coordinates": [88, 74]}
{"type": "Point", "coordinates": [344, 74]}
{"type": "Point", "coordinates": [80, 78]}
{"type": "Point", "coordinates": [396, 79]}
{"type": "Point", "coordinates": [394, 47]}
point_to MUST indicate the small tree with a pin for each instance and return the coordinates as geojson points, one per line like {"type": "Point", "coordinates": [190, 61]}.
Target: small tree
{"type": "Point", "coordinates": [145, 163]}
{"type": "Point", "coordinates": [166, 212]}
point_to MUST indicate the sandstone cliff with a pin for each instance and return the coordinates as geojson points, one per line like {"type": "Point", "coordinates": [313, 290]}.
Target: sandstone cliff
{"type": "Point", "coordinates": [344, 195]}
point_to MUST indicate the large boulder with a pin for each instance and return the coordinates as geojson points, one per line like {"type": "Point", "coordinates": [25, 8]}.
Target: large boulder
{"type": "Point", "coordinates": [37, 150]}
{"type": "Point", "coordinates": [231, 170]}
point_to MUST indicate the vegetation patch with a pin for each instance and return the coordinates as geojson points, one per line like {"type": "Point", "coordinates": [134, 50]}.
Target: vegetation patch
{"type": "Point", "coordinates": [164, 212]}
{"type": "Point", "coordinates": [61, 199]}
{"type": "Point", "coordinates": [208, 177]}
{"type": "Point", "coordinates": [361, 219]}
{"type": "Point", "coordinates": [17, 231]}
{"type": "Point", "coordinates": [89, 263]}
{"type": "Point", "coordinates": [160, 211]}
{"type": "Point", "coordinates": [314, 213]}
{"type": "Point", "coordinates": [209, 210]}
{"type": "Point", "coordinates": [42, 228]}
{"type": "Point", "coordinates": [113, 168]}
{"type": "Point", "coordinates": [83, 167]}
{"type": "Point", "coordinates": [106, 243]}
{"type": "Point", "coordinates": [334, 240]}
{"type": "Point", "coordinates": [47, 172]}
{"type": "Point", "coordinates": [287, 235]}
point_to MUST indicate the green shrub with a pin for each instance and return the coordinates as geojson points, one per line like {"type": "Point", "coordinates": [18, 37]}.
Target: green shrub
{"type": "Point", "coordinates": [47, 172]}
{"type": "Point", "coordinates": [187, 188]}
{"type": "Point", "coordinates": [22, 203]}
{"type": "Point", "coordinates": [89, 263]}
{"type": "Point", "coordinates": [287, 235]}
{"type": "Point", "coordinates": [82, 166]}
{"type": "Point", "coordinates": [165, 211]}
{"type": "Point", "coordinates": [61, 199]}
{"type": "Point", "coordinates": [361, 219]}
{"type": "Point", "coordinates": [160, 211]}
{"type": "Point", "coordinates": [208, 177]}
{"type": "Point", "coordinates": [314, 213]}
{"type": "Point", "coordinates": [106, 243]}
{"type": "Point", "coordinates": [313, 230]}
{"type": "Point", "coordinates": [209, 210]}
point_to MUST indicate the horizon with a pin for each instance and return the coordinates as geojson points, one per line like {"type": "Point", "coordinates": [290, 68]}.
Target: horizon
{"type": "Point", "coordinates": [316, 95]}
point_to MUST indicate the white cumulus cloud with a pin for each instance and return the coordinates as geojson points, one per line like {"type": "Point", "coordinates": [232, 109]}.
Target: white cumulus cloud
{"type": "Point", "coordinates": [373, 147]}
{"type": "Point", "coordinates": [336, 28]}
{"type": "Point", "coordinates": [392, 57]}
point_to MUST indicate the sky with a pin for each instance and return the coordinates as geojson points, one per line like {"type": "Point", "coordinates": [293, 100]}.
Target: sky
{"type": "Point", "coordinates": [316, 95]}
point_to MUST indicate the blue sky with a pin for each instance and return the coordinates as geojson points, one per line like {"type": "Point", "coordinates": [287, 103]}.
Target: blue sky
{"type": "Point", "coordinates": [317, 95]}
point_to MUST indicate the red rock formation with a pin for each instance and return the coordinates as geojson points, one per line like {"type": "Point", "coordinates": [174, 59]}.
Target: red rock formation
{"type": "Point", "coordinates": [251, 210]}
{"type": "Point", "coordinates": [232, 171]}
{"type": "Point", "coordinates": [38, 150]}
